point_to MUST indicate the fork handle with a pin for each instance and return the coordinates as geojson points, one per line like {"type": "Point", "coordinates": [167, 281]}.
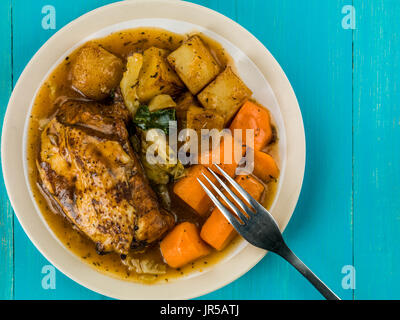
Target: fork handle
{"type": "Point", "coordinates": [290, 257]}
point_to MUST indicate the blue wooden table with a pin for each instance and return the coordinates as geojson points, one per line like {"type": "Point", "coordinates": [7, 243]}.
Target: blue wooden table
{"type": "Point", "coordinates": [343, 60]}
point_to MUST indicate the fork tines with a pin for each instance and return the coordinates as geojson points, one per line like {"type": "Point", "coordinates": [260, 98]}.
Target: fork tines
{"type": "Point", "coordinates": [243, 193]}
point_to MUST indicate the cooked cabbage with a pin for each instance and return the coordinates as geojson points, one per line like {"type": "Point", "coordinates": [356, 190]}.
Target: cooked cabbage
{"type": "Point", "coordinates": [159, 160]}
{"type": "Point", "coordinates": [159, 119]}
{"type": "Point", "coordinates": [129, 82]}
{"type": "Point", "coordinates": [162, 101]}
{"type": "Point", "coordinates": [144, 266]}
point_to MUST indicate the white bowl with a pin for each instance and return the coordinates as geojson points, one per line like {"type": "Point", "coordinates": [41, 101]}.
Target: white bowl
{"type": "Point", "coordinates": [257, 68]}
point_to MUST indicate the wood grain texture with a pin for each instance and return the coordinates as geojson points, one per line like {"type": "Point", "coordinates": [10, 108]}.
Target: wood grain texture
{"type": "Point", "coordinates": [28, 37]}
{"type": "Point", "coordinates": [6, 212]}
{"type": "Point", "coordinates": [308, 41]}
{"type": "Point", "coordinates": [376, 149]}
{"type": "Point", "coordinates": [348, 212]}
{"type": "Point", "coordinates": [296, 25]}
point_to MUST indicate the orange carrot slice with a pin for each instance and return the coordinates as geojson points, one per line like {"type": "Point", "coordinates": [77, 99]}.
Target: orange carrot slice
{"type": "Point", "coordinates": [183, 245]}
{"type": "Point", "coordinates": [253, 116]}
{"type": "Point", "coordinates": [265, 166]}
{"type": "Point", "coordinates": [190, 190]}
{"type": "Point", "coordinates": [217, 231]}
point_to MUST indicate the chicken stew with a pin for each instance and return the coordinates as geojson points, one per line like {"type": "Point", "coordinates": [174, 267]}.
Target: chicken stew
{"type": "Point", "coordinates": [91, 130]}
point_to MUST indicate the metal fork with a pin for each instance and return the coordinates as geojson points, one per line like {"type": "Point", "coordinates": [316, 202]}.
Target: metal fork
{"type": "Point", "coordinates": [258, 226]}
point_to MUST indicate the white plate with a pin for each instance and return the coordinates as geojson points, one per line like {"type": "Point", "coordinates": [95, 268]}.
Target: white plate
{"type": "Point", "coordinates": [257, 68]}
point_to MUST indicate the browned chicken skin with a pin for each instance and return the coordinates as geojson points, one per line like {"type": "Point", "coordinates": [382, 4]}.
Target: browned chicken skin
{"type": "Point", "coordinates": [90, 173]}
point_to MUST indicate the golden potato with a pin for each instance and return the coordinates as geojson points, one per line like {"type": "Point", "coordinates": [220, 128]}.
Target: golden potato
{"type": "Point", "coordinates": [162, 101]}
{"type": "Point", "coordinates": [185, 101]}
{"type": "Point", "coordinates": [194, 64]}
{"type": "Point", "coordinates": [129, 82]}
{"type": "Point", "coordinates": [156, 76]}
{"type": "Point", "coordinates": [199, 118]}
{"type": "Point", "coordinates": [96, 72]}
{"type": "Point", "coordinates": [225, 94]}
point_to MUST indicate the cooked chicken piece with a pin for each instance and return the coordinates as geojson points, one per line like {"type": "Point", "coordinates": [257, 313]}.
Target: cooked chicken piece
{"type": "Point", "coordinates": [96, 72]}
{"type": "Point", "coordinates": [88, 169]}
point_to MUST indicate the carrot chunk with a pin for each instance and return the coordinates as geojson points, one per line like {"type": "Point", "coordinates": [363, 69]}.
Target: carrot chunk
{"type": "Point", "coordinates": [265, 166]}
{"type": "Point", "coordinates": [253, 116]}
{"type": "Point", "coordinates": [183, 245]}
{"type": "Point", "coordinates": [253, 186]}
{"type": "Point", "coordinates": [227, 159]}
{"type": "Point", "coordinates": [217, 231]}
{"type": "Point", "coordinates": [190, 190]}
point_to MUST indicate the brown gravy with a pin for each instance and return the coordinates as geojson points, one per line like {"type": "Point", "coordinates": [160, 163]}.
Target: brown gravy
{"type": "Point", "coordinates": [58, 85]}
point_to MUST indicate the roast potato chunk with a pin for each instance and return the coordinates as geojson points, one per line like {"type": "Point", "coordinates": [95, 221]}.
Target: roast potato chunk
{"type": "Point", "coordinates": [194, 64]}
{"type": "Point", "coordinates": [162, 101]}
{"type": "Point", "coordinates": [185, 101]}
{"type": "Point", "coordinates": [156, 76]}
{"type": "Point", "coordinates": [198, 118]}
{"type": "Point", "coordinates": [96, 72]}
{"type": "Point", "coordinates": [225, 94]}
{"type": "Point", "coordinates": [129, 82]}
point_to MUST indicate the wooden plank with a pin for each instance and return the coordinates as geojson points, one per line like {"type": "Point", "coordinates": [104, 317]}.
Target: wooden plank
{"type": "Point", "coordinates": [308, 41]}
{"type": "Point", "coordinates": [376, 151]}
{"type": "Point", "coordinates": [227, 8]}
{"type": "Point", "coordinates": [6, 212]}
{"type": "Point", "coordinates": [28, 37]}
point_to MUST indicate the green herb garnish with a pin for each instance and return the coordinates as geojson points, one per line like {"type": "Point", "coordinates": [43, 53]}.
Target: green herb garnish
{"type": "Point", "coordinates": [159, 119]}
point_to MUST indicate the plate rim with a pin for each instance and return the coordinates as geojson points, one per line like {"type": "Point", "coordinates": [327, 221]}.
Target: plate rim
{"type": "Point", "coordinates": [296, 113]}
